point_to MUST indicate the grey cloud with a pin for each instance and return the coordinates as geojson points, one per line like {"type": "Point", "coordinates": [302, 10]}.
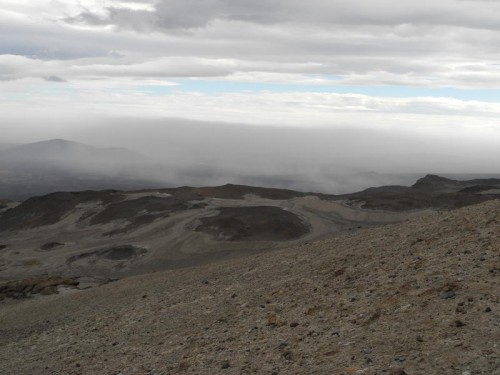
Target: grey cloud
{"type": "Point", "coordinates": [138, 20]}
{"type": "Point", "coordinates": [48, 42]}
{"type": "Point", "coordinates": [411, 40]}
{"type": "Point", "coordinates": [173, 14]}
{"type": "Point", "coordinates": [54, 79]}
{"type": "Point", "coordinates": [208, 153]}
{"type": "Point", "coordinates": [384, 42]}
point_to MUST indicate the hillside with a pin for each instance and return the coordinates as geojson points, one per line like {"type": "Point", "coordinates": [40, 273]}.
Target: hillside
{"type": "Point", "coordinates": [418, 297]}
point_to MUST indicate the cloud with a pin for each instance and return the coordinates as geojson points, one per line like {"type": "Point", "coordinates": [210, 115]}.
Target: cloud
{"type": "Point", "coordinates": [329, 159]}
{"type": "Point", "coordinates": [448, 43]}
{"type": "Point", "coordinates": [187, 14]}
{"type": "Point", "coordinates": [222, 60]}
{"type": "Point", "coordinates": [54, 79]}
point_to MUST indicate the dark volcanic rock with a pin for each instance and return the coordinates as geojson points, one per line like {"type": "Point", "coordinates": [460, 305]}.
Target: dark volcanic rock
{"type": "Point", "coordinates": [27, 287]}
{"type": "Point", "coordinates": [398, 371]}
{"type": "Point", "coordinates": [120, 252]}
{"type": "Point", "coordinates": [259, 223]}
{"type": "Point", "coordinates": [478, 189]}
{"type": "Point", "coordinates": [230, 191]}
{"type": "Point", "coordinates": [448, 294]}
{"type": "Point", "coordinates": [51, 208]}
{"type": "Point", "coordinates": [50, 246]}
{"type": "Point", "coordinates": [115, 253]}
{"type": "Point", "coordinates": [128, 209]}
{"type": "Point", "coordinates": [432, 182]}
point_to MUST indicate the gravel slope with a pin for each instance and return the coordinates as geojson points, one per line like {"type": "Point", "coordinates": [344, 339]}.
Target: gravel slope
{"type": "Point", "coordinates": [422, 296]}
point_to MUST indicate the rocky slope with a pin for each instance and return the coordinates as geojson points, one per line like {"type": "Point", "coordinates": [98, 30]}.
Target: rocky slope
{"type": "Point", "coordinates": [418, 297]}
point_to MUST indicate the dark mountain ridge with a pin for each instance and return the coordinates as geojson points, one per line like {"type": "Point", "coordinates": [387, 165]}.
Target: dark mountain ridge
{"type": "Point", "coordinates": [430, 191]}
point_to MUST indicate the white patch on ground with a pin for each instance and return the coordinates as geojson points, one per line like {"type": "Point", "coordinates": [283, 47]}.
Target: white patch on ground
{"type": "Point", "coordinates": [132, 196]}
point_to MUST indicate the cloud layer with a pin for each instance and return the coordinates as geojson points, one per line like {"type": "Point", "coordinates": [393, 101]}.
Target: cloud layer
{"type": "Point", "coordinates": [450, 43]}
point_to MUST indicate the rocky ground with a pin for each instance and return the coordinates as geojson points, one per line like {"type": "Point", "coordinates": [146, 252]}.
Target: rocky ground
{"type": "Point", "coordinates": [115, 234]}
{"type": "Point", "coordinates": [419, 297]}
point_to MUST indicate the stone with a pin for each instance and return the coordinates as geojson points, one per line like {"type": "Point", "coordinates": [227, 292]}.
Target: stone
{"type": "Point", "coordinates": [398, 371]}
{"type": "Point", "coordinates": [448, 295]}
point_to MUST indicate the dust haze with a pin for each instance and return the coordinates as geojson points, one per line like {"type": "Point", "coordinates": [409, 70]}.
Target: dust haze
{"type": "Point", "coordinates": [175, 152]}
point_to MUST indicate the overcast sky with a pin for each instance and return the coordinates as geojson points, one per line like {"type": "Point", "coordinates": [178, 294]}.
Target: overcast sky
{"type": "Point", "coordinates": [423, 67]}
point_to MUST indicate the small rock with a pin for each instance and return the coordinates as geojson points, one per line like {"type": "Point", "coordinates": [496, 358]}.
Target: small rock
{"type": "Point", "coordinates": [459, 323]}
{"type": "Point", "coordinates": [488, 309]}
{"type": "Point", "coordinates": [460, 310]}
{"type": "Point", "coordinates": [183, 366]}
{"type": "Point", "coordinates": [294, 324]}
{"type": "Point", "coordinates": [49, 290]}
{"type": "Point", "coordinates": [398, 371]}
{"type": "Point", "coordinates": [288, 355]}
{"type": "Point", "coordinates": [449, 294]}
{"type": "Point", "coordinates": [225, 365]}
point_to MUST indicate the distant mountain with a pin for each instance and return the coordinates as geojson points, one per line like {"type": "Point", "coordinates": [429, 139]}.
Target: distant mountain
{"type": "Point", "coordinates": [62, 165]}
{"type": "Point", "coordinates": [65, 153]}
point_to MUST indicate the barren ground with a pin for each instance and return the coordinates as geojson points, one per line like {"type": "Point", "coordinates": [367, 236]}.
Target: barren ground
{"type": "Point", "coordinates": [422, 295]}
{"type": "Point", "coordinates": [70, 234]}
